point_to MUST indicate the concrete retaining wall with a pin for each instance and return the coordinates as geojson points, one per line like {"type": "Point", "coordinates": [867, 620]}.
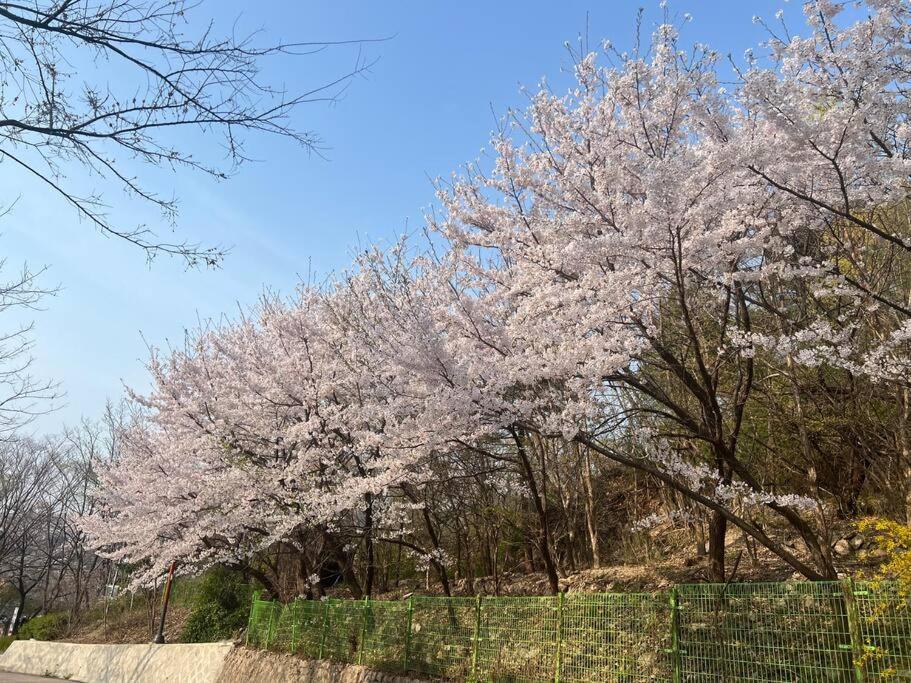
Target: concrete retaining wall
{"type": "Point", "coordinates": [246, 665]}
{"type": "Point", "coordinates": [201, 663]}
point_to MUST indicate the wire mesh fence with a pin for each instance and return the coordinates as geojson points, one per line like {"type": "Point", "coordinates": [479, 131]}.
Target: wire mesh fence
{"type": "Point", "coordinates": [781, 632]}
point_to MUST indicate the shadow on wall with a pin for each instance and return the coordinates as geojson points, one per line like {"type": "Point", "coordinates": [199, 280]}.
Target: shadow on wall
{"type": "Point", "coordinates": [179, 663]}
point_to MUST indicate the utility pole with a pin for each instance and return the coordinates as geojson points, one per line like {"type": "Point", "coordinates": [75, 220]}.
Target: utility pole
{"type": "Point", "coordinates": [159, 637]}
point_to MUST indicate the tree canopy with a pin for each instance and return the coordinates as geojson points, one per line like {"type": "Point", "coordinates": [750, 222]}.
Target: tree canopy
{"type": "Point", "coordinates": [659, 273]}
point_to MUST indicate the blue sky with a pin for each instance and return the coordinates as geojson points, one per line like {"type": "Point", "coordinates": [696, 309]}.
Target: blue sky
{"type": "Point", "coordinates": [424, 109]}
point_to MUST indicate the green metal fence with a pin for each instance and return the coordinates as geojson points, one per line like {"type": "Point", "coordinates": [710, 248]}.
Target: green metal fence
{"type": "Point", "coordinates": [794, 631]}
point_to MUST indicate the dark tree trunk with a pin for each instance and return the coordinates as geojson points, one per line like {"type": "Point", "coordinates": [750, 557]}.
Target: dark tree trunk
{"type": "Point", "coordinates": [264, 579]}
{"type": "Point", "coordinates": [718, 526]}
{"type": "Point", "coordinates": [544, 542]}
{"type": "Point", "coordinates": [370, 573]}
{"type": "Point", "coordinates": [434, 539]}
{"type": "Point", "coordinates": [346, 566]}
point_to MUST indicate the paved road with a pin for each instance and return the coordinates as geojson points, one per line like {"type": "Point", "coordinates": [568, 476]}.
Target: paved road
{"type": "Point", "coordinates": [10, 677]}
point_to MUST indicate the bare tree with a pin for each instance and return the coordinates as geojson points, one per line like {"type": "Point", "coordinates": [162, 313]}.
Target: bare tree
{"type": "Point", "coordinates": [31, 489]}
{"type": "Point", "coordinates": [80, 571]}
{"type": "Point", "coordinates": [60, 107]}
{"type": "Point", "coordinates": [45, 485]}
{"type": "Point", "coordinates": [22, 396]}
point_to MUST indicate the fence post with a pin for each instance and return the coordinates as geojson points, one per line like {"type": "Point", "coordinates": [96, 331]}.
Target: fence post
{"type": "Point", "coordinates": [857, 641]}
{"type": "Point", "coordinates": [291, 607]}
{"type": "Point", "coordinates": [256, 595]}
{"type": "Point", "coordinates": [408, 632]}
{"type": "Point", "coordinates": [476, 638]}
{"type": "Point", "coordinates": [271, 620]}
{"type": "Point", "coordinates": [322, 633]}
{"type": "Point", "coordinates": [675, 634]}
{"type": "Point", "coordinates": [360, 649]}
{"type": "Point", "coordinates": [559, 637]}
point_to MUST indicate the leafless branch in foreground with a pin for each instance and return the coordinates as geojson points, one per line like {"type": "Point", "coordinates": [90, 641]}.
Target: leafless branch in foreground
{"type": "Point", "coordinates": [96, 84]}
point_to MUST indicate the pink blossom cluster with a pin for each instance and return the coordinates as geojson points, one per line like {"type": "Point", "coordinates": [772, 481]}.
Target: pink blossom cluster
{"type": "Point", "coordinates": [651, 219]}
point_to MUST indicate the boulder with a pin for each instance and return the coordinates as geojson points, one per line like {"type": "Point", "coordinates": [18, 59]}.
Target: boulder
{"type": "Point", "coordinates": [842, 547]}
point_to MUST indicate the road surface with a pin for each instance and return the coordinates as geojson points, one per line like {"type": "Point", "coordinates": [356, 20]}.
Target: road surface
{"type": "Point", "coordinates": [10, 677]}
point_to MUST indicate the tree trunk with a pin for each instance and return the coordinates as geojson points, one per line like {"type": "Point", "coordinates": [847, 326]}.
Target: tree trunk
{"type": "Point", "coordinates": [370, 550]}
{"type": "Point", "coordinates": [905, 449]}
{"type": "Point", "coordinates": [544, 543]}
{"type": "Point", "coordinates": [718, 526]}
{"type": "Point", "coordinates": [434, 539]}
{"type": "Point", "coordinates": [755, 531]}
{"type": "Point", "coordinates": [346, 567]}
{"type": "Point", "coordinates": [590, 522]}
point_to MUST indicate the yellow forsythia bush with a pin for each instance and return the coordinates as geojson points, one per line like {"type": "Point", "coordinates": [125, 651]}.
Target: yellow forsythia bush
{"type": "Point", "coordinates": [894, 539]}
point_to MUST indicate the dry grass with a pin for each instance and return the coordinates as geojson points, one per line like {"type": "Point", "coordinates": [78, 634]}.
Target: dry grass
{"type": "Point", "coordinates": [128, 626]}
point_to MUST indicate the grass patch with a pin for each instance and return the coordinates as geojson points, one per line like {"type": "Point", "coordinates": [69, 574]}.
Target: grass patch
{"type": "Point", "coordinates": [219, 607]}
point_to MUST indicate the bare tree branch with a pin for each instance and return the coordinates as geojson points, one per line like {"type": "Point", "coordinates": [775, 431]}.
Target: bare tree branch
{"type": "Point", "coordinates": [59, 110]}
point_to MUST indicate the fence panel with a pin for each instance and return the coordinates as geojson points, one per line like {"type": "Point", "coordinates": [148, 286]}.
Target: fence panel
{"type": "Point", "coordinates": [517, 639]}
{"type": "Point", "coordinates": [442, 631]}
{"type": "Point", "coordinates": [884, 616]}
{"type": "Point", "coordinates": [769, 632]}
{"type": "Point", "coordinates": [385, 635]}
{"type": "Point", "coordinates": [281, 637]}
{"type": "Point", "coordinates": [765, 632]}
{"type": "Point", "coordinates": [616, 637]}
{"type": "Point", "coordinates": [343, 630]}
{"type": "Point", "coordinates": [308, 624]}
{"type": "Point", "coordinates": [262, 614]}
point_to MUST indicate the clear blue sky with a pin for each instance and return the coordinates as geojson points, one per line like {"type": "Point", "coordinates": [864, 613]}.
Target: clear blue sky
{"type": "Point", "coordinates": [424, 109]}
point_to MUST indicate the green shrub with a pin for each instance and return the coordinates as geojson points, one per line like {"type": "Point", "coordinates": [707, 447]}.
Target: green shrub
{"type": "Point", "coordinates": [219, 608]}
{"type": "Point", "coordinates": [45, 627]}
{"type": "Point", "coordinates": [5, 642]}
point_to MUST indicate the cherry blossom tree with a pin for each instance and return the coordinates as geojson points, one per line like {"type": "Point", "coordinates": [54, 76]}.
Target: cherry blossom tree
{"type": "Point", "coordinates": [646, 266]}
{"type": "Point", "coordinates": [255, 430]}
{"type": "Point", "coordinates": [638, 223]}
